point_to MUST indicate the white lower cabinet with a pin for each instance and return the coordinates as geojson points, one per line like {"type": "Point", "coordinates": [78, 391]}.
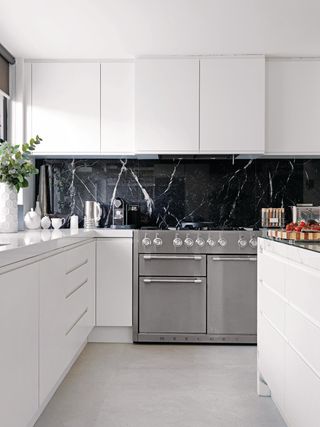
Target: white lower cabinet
{"type": "Point", "coordinates": [47, 311]}
{"type": "Point", "coordinates": [52, 324]}
{"type": "Point", "coordinates": [67, 297]}
{"type": "Point", "coordinates": [289, 331]}
{"type": "Point", "coordinates": [114, 282]}
{"type": "Point", "coordinates": [79, 297]}
{"type": "Point", "coordinates": [303, 391]}
{"type": "Point", "coordinates": [19, 321]}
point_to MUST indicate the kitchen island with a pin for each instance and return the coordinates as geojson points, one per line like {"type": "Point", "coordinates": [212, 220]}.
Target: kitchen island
{"type": "Point", "coordinates": [289, 328]}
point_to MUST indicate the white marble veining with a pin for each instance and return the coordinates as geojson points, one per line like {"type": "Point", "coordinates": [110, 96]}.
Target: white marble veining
{"type": "Point", "coordinates": [19, 246]}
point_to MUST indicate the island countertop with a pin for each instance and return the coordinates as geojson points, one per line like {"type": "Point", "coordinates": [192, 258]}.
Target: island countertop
{"type": "Point", "coordinates": [310, 246]}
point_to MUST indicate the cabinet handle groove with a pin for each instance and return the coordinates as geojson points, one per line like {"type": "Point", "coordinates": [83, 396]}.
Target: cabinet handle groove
{"type": "Point", "coordinates": [76, 288]}
{"type": "Point", "coordinates": [77, 321]}
{"type": "Point", "coordinates": [77, 266]}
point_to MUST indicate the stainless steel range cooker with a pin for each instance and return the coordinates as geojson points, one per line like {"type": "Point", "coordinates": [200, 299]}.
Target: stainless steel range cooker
{"type": "Point", "coordinates": [195, 286]}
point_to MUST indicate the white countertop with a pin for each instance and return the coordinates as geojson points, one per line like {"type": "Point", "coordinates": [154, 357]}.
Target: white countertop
{"type": "Point", "coordinates": [19, 246]}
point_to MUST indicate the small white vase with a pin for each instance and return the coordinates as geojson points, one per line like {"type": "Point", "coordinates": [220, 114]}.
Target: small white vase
{"type": "Point", "coordinates": [8, 208]}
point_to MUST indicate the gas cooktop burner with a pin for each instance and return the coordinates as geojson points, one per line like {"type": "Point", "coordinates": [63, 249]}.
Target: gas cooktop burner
{"type": "Point", "coordinates": [206, 226]}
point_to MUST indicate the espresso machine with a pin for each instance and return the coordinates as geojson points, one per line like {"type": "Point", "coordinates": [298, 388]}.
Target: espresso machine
{"type": "Point", "coordinates": [124, 215]}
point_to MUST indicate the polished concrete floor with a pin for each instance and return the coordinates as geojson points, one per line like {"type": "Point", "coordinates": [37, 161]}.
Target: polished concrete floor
{"type": "Point", "coordinates": [126, 385]}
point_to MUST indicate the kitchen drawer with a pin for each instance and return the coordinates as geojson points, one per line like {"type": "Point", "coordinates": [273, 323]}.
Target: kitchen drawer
{"type": "Point", "coordinates": [303, 289]}
{"type": "Point", "coordinates": [76, 305]}
{"type": "Point", "coordinates": [273, 307]}
{"type": "Point", "coordinates": [77, 336]}
{"type": "Point", "coordinates": [76, 258]}
{"type": "Point", "coordinates": [304, 337]}
{"type": "Point", "coordinates": [172, 265]}
{"type": "Point", "coordinates": [172, 305]}
{"type": "Point", "coordinates": [302, 387]}
{"type": "Point", "coordinates": [271, 270]}
{"type": "Point", "coordinates": [77, 278]}
{"type": "Point", "coordinates": [271, 355]}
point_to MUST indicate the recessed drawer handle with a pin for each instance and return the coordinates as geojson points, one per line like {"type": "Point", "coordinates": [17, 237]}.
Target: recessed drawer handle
{"type": "Point", "coordinates": [173, 257]}
{"type": "Point", "coordinates": [197, 281]}
{"type": "Point", "coordinates": [76, 288]}
{"type": "Point", "coordinates": [77, 266]}
{"type": "Point", "coordinates": [77, 321]}
{"type": "Point", "coordinates": [234, 259]}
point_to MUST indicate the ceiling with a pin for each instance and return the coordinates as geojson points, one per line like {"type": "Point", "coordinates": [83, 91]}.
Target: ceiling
{"type": "Point", "coordinates": [128, 28]}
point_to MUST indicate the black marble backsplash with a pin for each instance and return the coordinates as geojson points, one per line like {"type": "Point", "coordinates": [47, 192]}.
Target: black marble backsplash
{"type": "Point", "coordinates": [175, 190]}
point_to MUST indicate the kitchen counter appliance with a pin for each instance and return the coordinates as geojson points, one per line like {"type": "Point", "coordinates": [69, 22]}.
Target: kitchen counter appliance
{"type": "Point", "coordinates": [195, 285]}
{"type": "Point", "coordinates": [92, 214]}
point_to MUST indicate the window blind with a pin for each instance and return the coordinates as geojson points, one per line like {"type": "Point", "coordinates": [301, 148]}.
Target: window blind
{"type": "Point", "coordinates": [5, 60]}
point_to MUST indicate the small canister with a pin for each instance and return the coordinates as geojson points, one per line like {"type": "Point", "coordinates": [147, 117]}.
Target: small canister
{"type": "Point", "coordinates": [74, 222]}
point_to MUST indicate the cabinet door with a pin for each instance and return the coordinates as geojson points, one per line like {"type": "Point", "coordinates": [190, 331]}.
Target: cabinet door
{"type": "Point", "coordinates": [117, 108]}
{"type": "Point", "coordinates": [232, 295]}
{"type": "Point", "coordinates": [65, 108]}
{"type": "Point", "coordinates": [232, 105]}
{"type": "Point", "coordinates": [19, 350]}
{"type": "Point", "coordinates": [79, 297]}
{"type": "Point", "coordinates": [114, 282]}
{"type": "Point", "coordinates": [52, 328]}
{"type": "Point", "coordinates": [167, 106]}
{"type": "Point", "coordinates": [293, 105]}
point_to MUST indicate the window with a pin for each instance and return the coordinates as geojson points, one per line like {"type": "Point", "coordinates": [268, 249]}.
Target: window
{"type": "Point", "coordinates": [3, 117]}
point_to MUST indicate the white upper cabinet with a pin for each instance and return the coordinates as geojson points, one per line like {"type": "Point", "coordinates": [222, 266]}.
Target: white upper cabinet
{"type": "Point", "coordinates": [167, 106]}
{"type": "Point", "coordinates": [232, 105]}
{"type": "Point", "coordinates": [293, 106]}
{"type": "Point", "coordinates": [117, 108]}
{"type": "Point", "coordinates": [65, 107]}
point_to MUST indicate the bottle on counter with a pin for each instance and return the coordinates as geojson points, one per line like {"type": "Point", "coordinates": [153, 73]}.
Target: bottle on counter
{"type": "Point", "coordinates": [74, 222]}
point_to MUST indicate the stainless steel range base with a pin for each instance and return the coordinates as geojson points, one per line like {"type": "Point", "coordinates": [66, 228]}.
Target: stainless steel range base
{"type": "Point", "coordinates": [196, 339]}
{"type": "Point", "coordinates": [195, 286]}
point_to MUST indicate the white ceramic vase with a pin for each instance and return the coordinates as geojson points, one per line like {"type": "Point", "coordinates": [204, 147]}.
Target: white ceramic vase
{"type": "Point", "coordinates": [8, 208]}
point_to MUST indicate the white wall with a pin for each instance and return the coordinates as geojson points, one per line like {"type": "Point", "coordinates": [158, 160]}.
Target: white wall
{"type": "Point", "coordinates": [126, 28]}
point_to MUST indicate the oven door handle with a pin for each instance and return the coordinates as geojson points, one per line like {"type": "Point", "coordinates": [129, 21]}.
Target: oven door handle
{"type": "Point", "coordinates": [196, 281]}
{"type": "Point", "coordinates": [252, 259]}
{"type": "Point", "coordinates": [173, 257]}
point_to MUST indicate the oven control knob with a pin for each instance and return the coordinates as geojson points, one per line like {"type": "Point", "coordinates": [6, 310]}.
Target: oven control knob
{"type": "Point", "coordinates": [157, 241]}
{"type": "Point", "coordinates": [200, 242]}
{"type": "Point", "coordinates": [253, 242]}
{"type": "Point", "coordinates": [242, 242]}
{"type": "Point", "coordinates": [211, 242]}
{"type": "Point", "coordinates": [188, 242]}
{"type": "Point", "coordinates": [177, 242]}
{"type": "Point", "coordinates": [146, 241]}
{"type": "Point", "coordinates": [222, 242]}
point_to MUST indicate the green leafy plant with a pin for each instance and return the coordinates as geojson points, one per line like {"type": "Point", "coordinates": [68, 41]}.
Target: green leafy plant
{"type": "Point", "coordinates": [15, 163]}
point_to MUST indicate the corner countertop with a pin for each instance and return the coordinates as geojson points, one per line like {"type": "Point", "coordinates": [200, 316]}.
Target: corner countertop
{"type": "Point", "coordinates": [23, 245]}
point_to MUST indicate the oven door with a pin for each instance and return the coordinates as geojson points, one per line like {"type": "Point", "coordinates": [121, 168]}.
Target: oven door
{"type": "Point", "coordinates": [232, 295]}
{"type": "Point", "coordinates": [172, 265]}
{"type": "Point", "coordinates": [172, 305]}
